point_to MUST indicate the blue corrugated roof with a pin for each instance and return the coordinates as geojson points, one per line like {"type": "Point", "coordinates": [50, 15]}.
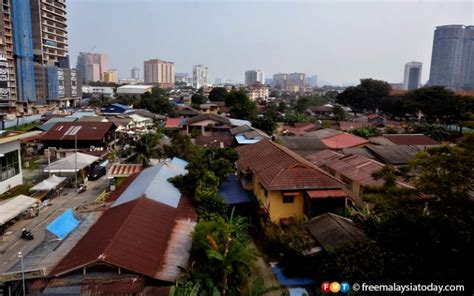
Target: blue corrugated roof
{"type": "Point", "coordinates": [233, 192]}
{"type": "Point", "coordinates": [122, 106]}
{"type": "Point", "coordinates": [153, 183]}
{"type": "Point", "coordinates": [63, 224]}
{"type": "Point", "coordinates": [52, 121]}
{"type": "Point", "coordinates": [179, 162]}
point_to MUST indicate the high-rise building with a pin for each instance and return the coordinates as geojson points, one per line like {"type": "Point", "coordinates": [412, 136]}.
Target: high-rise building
{"type": "Point", "coordinates": [92, 66]}
{"type": "Point", "coordinates": [159, 73]}
{"type": "Point", "coordinates": [8, 94]}
{"type": "Point", "coordinates": [136, 74]}
{"type": "Point", "coordinates": [49, 29]}
{"type": "Point", "coordinates": [296, 82]}
{"type": "Point", "coordinates": [280, 81]}
{"type": "Point", "coordinates": [253, 76]}
{"type": "Point", "coordinates": [111, 76]}
{"type": "Point", "coordinates": [412, 75]}
{"type": "Point", "coordinates": [452, 59]}
{"type": "Point", "coordinates": [199, 76]}
{"type": "Point", "coordinates": [312, 80]}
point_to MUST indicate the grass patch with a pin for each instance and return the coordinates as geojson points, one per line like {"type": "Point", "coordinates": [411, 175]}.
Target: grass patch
{"type": "Point", "coordinates": [20, 189]}
{"type": "Point", "coordinates": [24, 127]}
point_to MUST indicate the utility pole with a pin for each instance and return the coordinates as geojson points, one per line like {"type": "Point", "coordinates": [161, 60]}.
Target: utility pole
{"type": "Point", "coordinates": [75, 159]}
{"type": "Point", "coordinates": [20, 255]}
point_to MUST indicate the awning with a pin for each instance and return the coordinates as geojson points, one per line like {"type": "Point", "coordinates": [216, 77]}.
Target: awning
{"type": "Point", "coordinates": [290, 193]}
{"type": "Point", "coordinates": [328, 193]}
{"type": "Point", "coordinates": [48, 184]}
{"type": "Point", "coordinates": [11, 208]}
{"type": "Point", "coordinates": [71, 163]}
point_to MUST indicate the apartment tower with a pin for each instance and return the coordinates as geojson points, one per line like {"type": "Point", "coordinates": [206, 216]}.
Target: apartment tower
{"type": "Point", "coordinates": [412, 75]}
{"type": "Point", "coordinates": [158, 72]}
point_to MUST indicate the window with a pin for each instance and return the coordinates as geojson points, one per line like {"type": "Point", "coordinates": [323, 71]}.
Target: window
{"type": "Point", "coordinates": [346, 181]}
{"type": "Point", "coordinates": [288, 199]}
{"type": "Point", "coordinates": [9, 165]}
{"type": "Point", "coordinates": [331, 171]}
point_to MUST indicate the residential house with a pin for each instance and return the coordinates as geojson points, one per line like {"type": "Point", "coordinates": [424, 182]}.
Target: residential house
{"type": "Point", "coordinates": [323, 133]}
{"type": "Point", "coordinates": [115, 109]}
{"type": "Point", "coordinates": [419, 140]}
{"type": "Point", "coordinates": [11, 174]}
{"type": "Point", "coordinates": [140, 122]}
{"type": "Point", "coordinates": [321, 112]}
{"type": "Point", "coordinates": [139, 245]}
{"type": "Point", "coordinates": [211, 124]}
{"type": "Point", "coordinates": [209, 108]}
{"type": "Point", "coordinates": [302, 145]}
{"type": "Point", "coordinates": [376, 119]}
{"type": "Point", "coordinates": [246, 134]}
{"type": "Point", "coordinates": [285, 184]}
{"type": "Point", "coordinates": [343, 141]}
{"type": "Point", "coordinates": [80, 135]}
{"type": "Point", "coordinates": [353, 170]}
{"type": "Point", "coordinates": [298, 128]}
{"type": "Point", "coordinates": [187, 111]}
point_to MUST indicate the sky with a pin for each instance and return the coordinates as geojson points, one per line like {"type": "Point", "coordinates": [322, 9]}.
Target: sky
{"type": "Point", "coordinates": [340, 41]}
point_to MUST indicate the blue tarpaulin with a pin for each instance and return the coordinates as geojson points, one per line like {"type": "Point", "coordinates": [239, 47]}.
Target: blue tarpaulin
{"type": "Point", "coordinates": [282, 279]}
{"type": "Point", "coordinates": [233, 192]}
{"type": "Point", "coordinates": [63, 224]}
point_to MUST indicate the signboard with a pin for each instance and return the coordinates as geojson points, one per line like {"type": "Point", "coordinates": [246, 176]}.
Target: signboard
{"type": "Point", "coordinates": [4, 78]}
{"type": "Point", "coordinates": [73, 83]}
{"type": "Point", "coordinates": [61, 93]}
{"type": "Point", "coordinates": [17, 276]}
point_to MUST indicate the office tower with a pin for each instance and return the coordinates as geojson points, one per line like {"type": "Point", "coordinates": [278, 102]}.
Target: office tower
{"type": "Point", "coordinates": [312, 80]}
{"type": "Point", "coordinates": [296, 82]}
{"type": "Point", "coordinates": [136, 74]}
{"type": "Point", "coordinates": [452, 59]}
{"type": "Point", "coordinates": [268, 81]}
{"type": "Point", "coordinates": [7, 62]}
{"type": "Point", "coordinates": [280, 81]}
{"type": "Point", "coordinates": [199, 76]}
{"type": "Point", "coordinates": [49, 30]}
{"type": "Point", "coordinates": [412, 76]}
{"type": "Point", "coordinates": [92, 66]}
{"type": "Point", "coordinates": [159, 73]}
{"type": "Point", "coordinates": [23, 51]}
{"type": "Point", "coordinates": [254, 76]}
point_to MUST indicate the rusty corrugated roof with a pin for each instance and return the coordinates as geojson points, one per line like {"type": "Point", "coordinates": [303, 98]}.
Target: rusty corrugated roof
{"type": "Point", "coordinates": [279, 168]}
{"type": "Point", "coordinates": [134, 236]}
{"type": "Point", "coordinates": [124, 169]}
{"type": "Point", "coordinates": [84, 131]}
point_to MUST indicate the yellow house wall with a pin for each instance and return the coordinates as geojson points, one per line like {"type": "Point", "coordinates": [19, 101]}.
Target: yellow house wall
{"type": "Point", "coordinates": [273, 202]}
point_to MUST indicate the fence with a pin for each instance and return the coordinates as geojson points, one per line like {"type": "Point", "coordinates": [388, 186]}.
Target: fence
{"type": "Point", "coordinates": [20, 121]}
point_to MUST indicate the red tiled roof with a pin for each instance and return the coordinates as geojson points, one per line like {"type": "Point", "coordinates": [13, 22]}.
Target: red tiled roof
{"type": "Point", "coordinates": [124, 169]}
{"type": "Point", "coordinates": [410, 139]}
{"type": "Point", "coordinates": [344, 141]}
{"type": "Point", "coordinates": [300, 128]}
{"type": "Point", "coordinates": [134, 236]}
{"type": "Point", "coordinates": [374, 115]}
{"type": "Point", "coordinates": [84, 131]}
{"type": "Point", "coordinates": [279, 168]}
{"type": "Point", "coordinates": [214, 141]}
{"type": "Point", "coordinates": [172, 122]}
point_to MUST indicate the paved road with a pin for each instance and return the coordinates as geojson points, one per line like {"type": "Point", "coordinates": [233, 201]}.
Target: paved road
{"type": "Point", "coordinates": [12, 244]}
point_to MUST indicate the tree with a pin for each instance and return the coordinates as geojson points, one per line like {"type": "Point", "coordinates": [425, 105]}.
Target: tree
{"type": "Point", "coordinates": [353, 97]}
{"type": "Point", "coordinates": [302, 105]}
{"type": "Point", "coordinates": [266, 124]}
{"type": "Point", "coordinates": [217, 94]}
{"type": "Point", "coordinates": [339, 113]}
{"type": "Point", "coordinates": [366, 132]}
{"type": "Point", "coordinates": [221, 251]}
{"type": "Point", "coordinates": [198, 99]}
{"type": "Point", "coordinates": [156, 102]}
{"type": "Point", "coordinates": [376, 91]}
{"type": "Point", "coordinates": [146, 148]}
{"type": "Point", "coordinates": [181, 146]}
{"type": "Point", "coordinates": [244, 109]}
{"type": "Point", "coordinates": [235, 96]}
{"type": "Point", "coordinates": [281, 106]}
{"type": "Point", "coordinates": [207, 197]}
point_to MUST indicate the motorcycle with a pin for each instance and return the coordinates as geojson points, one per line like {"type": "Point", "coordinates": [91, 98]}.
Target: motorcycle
{"type": "Point", "coordinates": [26, 234]}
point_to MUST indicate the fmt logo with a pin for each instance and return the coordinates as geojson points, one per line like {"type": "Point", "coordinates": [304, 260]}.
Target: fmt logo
{"type": "Point", "coordinates": [335, 287]}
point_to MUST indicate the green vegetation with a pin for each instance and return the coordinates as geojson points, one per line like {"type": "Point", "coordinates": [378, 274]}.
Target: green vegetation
{"type": "Point", "coordinates": [20, 189]}
{"type": "Point", "coordinates": [24, 127]}
{"type": "Point", "coordinates": [217, 94]}
{"type": "Point", "coordinates": [425, 233]}
{"type": "Point", "coordinates": [147, 148]}
{"type": "Point", "coordinates": [366, 132]}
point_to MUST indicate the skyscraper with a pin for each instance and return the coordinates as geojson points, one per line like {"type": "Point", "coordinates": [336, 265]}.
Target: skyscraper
{"type": "Point", "coordinates": [253, 76]}
{"type": "Point", "coordinates": [312, 80]}
{"type": "Point", "coordinates": [199, 76]}
{"type": "Point", "coordinates": [452, 62]}
{"type": "Point", "coordinates": [111, 76]}
{"type": "Point", "coordinates": [92, 66]}
{"type": "Point", "coordinates": [412, 75]}
{"type": "Point", "coordinates": [296, 81]}
{"type": "Point", "coordinates": [8, 82]}
{"type": "Point", "coordinates": [49, 28]}
{"type": "Point", "coordinates": [135, 73]}
{"type": "Point", "coordinates": [280, 81]}
{"type": "Point", "coordinates": [159, 72]}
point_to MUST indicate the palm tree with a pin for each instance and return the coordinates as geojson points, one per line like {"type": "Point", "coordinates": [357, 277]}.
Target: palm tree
{"type": "Point", "coordinates": [146, 148]}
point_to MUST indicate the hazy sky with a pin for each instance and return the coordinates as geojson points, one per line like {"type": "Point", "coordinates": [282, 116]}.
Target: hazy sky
{"type": "Point", "coordinates": [339, 41]}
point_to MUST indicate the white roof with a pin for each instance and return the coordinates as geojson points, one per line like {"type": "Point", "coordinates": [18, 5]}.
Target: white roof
{"type": "Point", "coordinates": [138, 118]}
{"type": "Point", "coordinates": [67, 164]}
{"type": "Point", "coordinates": [239, 122]}
{"type": "Point", "coordinates": [13, 207]}
{"type": "Point", "coordinates": [48, 184]}
{"type": "Point", "coordinates": [153, 184]}
{"type": "Point", "coordinates": [134, 89]}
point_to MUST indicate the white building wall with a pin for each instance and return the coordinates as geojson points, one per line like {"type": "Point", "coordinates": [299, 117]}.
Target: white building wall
{"type": "Point", "coordinates": [17, 179]}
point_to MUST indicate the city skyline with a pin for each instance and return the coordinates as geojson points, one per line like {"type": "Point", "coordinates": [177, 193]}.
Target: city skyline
{"type": "Point", "coordinates": [343, 57]}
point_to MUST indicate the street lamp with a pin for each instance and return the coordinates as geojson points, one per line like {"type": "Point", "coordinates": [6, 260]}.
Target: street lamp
{"type": "Point", "coordinates": [20, 255]}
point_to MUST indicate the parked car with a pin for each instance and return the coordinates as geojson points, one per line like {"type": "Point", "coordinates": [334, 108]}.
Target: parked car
{"type": "Point", "coordinates": [97, 172]}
